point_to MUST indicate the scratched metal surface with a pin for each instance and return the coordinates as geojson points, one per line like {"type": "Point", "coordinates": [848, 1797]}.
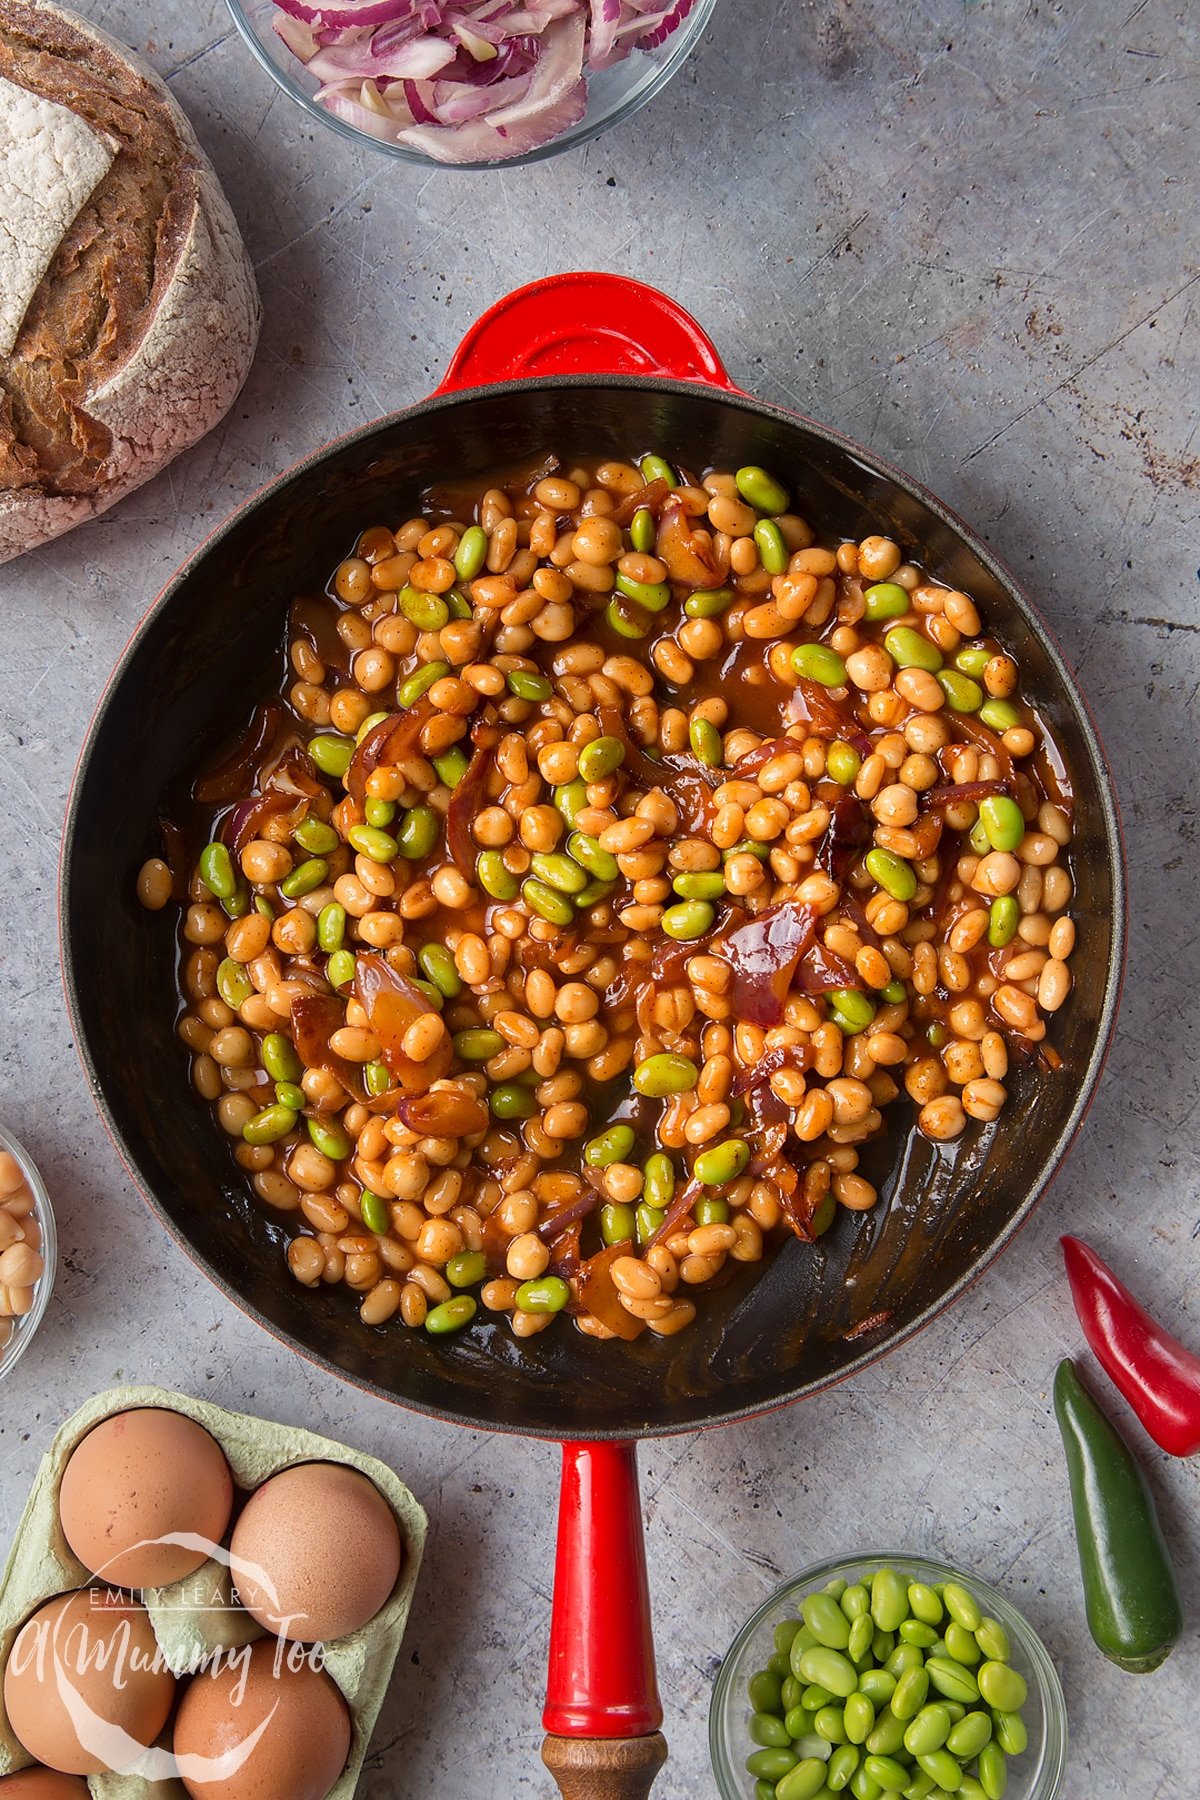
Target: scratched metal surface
{"type": "Point", "coordinates": [965, 234]}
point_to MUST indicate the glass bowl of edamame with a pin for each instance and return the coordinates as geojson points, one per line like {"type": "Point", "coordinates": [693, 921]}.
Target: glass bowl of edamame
{"type": "Point", "coordinates": [28, 1250]}
{"type": "Point", "coordinates": [887, 1675]}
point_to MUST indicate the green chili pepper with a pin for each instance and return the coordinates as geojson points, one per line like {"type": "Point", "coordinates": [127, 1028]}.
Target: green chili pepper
{"type": "Point", "coordinates": [1129, 1584]}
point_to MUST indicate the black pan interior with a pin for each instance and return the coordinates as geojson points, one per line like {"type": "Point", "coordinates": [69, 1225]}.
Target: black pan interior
{"type": "Point", "coordinates": [212, 645]}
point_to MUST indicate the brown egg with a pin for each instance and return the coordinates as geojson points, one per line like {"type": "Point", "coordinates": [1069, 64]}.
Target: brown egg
{"type": "Point", "coordinates": [304, 1745]}
{"type": "Point", "coordinates": [96, 1649]}
{"type": "Point", "coordinates": [135, 1479]}
{"type": "Point", "coordinates": [43, 1784]}
{"type": "Point", "coordinates": [316, 1552]}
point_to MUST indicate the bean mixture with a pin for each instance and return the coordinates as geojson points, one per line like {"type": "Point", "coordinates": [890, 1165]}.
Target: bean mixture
{"type": "Point", "coordinates": [616, 857]}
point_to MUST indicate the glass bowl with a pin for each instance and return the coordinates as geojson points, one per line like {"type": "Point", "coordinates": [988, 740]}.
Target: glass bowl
{"type": "Point", "coordinates": [613, 93]}
{"type": "Point", "coordinates": [24, 1326]}
{"type": "Point", "coordinates": [1037, 1774]}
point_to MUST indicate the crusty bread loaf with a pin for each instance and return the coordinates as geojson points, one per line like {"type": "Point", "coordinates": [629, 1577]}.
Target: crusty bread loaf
{"type": "Point", "coordinates": [128, 310]}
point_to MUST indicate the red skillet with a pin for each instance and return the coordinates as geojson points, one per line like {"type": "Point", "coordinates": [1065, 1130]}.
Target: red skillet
{"type": "Point", "coordinates": [581, 364]}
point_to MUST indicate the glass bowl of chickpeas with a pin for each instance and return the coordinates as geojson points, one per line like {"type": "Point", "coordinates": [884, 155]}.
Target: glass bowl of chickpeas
{"type": "Point", "coordinates": [28, 1251]}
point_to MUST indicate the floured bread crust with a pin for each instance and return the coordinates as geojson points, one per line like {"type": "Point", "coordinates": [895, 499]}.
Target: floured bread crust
{"type": "Point", "coordinates": [139, 333]}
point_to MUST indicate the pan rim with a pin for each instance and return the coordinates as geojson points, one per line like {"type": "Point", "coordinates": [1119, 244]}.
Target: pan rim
{"type": "Point", "coordinates": [715, 1414]}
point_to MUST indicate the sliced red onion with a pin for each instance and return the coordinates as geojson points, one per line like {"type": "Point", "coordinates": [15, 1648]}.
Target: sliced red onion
{"type": "Point", "coordinates": [466, 80]}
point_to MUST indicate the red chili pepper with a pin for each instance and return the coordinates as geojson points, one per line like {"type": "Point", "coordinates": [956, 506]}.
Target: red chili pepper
{"type": "Point", "coordinates": [1157, 1375]}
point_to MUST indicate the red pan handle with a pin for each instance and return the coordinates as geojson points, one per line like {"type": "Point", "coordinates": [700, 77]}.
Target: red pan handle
{"type": "Point", "coordinates": [584, 324]}
{"type": "Point", "coordinates": [602, 1706]}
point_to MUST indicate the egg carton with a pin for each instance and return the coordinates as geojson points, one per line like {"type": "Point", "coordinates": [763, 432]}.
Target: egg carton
{"type": "Point", "coordinates": [194, 1616]}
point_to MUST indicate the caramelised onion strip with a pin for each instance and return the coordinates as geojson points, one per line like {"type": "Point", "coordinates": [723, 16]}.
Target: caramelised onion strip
{"type": "Point", "coordinates": [687, 550]}
{"type": "Point", "coordinates": [392, 1003]}
{"type": "Point", "coordinates": [466, 802]}
{"type": "Point", "coordinates": [239, 770]}
{"type": "Point", "coordinates": [391, 741]}
{"type": "Point", "coordinates": [315, 1018]}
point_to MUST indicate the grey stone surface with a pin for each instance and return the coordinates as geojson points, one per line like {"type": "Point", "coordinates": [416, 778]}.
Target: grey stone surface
{"type": "Point", "coordinates": [966, 234]}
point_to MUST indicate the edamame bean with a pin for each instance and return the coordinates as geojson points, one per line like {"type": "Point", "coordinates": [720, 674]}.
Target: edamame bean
{"type": "Point", "coordinates": [766, 1729]}
{"type": "Point", "coordinates": [428, 612]}
{"type": "Point", "coordinates": [961, 1645]}
{"type": "Point", "coordinates": [855, 1602]}
{"type": "Point", "coordinates": [1004, 824]}
{"type": "Point", "coordinates": [911, 649]}
{"type": "Point", "coordinates": [708, 603]}
{"type": "Point", "coordinates": [722, 1163]}
{"type": "Point", "coordinates": [626, 619]}
{"type": "Point", "coordinates": [878, 1686]}
{"type": "Point", "coordinates": [233, 984]}
{"type": "Point", "coordinates": [643, 532]}
{"type": "Point", "coordinates": [304, 878]}
{"type": "Point", "coordinates": [903, 1658]}
{"type": "Point", "coordinates": [588, 854]}
{"type": "Point", "coordinates": [418, 832]}
{"type": "Point", "coordinates": [886, 600]}
{"type": "Point", "coordinates": [217, 871]}
{"type": "Point", "coordinates": [1004, 915]}
{"type": "Point", "coordinates": [328, 1139]}
{"type": "Point", "coordinates": [828, 1667]}
{"type": "Point", "coordinates": [852, 1009]}
{"type": "Point", "coordinates": [790, 1692]}
{"type": "Point", "coordinates": [773, 1765]}
{"type": "Point", "coordinates": [760, 490]}
{"type": "Point", "coordinates": [992, 1639]}
{"type": "Point", "coordinates": [548, 1294]}
{"type": "Point", "coordinates": [891, 1775]}
{"type": "Point", "coordinates": [279, 1057]}
{"type": "Point", "coordinates": [1011, 1734]}
{"type": "Point", "coordinates": [815, 1697]}
{"type": "Point", "coordinates": [858, 1716]}
{"type": "Point", "coordinates": [667, 1072]}
{"type": "Point", "coordinates": [477, 1043]}
{"type": "Point", "coordinates": [437, 964]}
{"type": "Point", "coordinates": [765, 1691]}
{"type": "Point", "coordinates": [895, 993]}
{"type": "Point", "coordinates": [658, 1185]}
{"type": "Point", "coordinates": [315, 836]}
{"type": "Point", "coordinates": [290, 1095]}
{"type": "Point", "coordinates": [804, 1782]}
{"type": "Point", "coordinates": [470, 553]}
{"type": "Point", "coordinates": [600, 758]}
{"type": "Point", "coordinates": [451, 766]}
{"type": "Point", "coordinates": [862, 1635]}
{"type": "Point", "coordinates": [828, 1725]}
{"type": "Point", "coordinates": [377, 1215]}
{"type": "Point", "coordinates": [944, 1768]}
{"type": "Point", "coordinates": [710, 1211]}
{"type": "Point", "coordinates": [863, 1787]}
{"type": "Point", "coordinates": [826, 1620]}
{"type": "Point", "coordinates": [817, 662]}
{"type": "Point", "coordinates": [1002, 1687]}
{"type": "Point", "coordinates": [952, 1680]}
{"type": "Point", "coordinates": [269, 1125]}
{"type": "Point", "coordinates": [512, 1101]}
{"type": "Point", "coordinates": [925, 1602]}
{"type": "Point", "coordinates": [920, 1785]}
{"type": "Point", "coordinates": [801, 1640]}
{"type": "Point", "coordinates": [527, 684]}
{"type": "Point", "coordinates": [547, 902]}
{"type": "Point", "coordinates": [889, 1596]}
{"type": "Point", "coordinates": [690, 919]}
{"type": "Point", "coordinates": [967, 1738]}
{"type": "Point", "coordinates": [378, 1078]}
{"type": "Point", "coordinates": [618, 1223]}
{"type": "Point", "coordinates": [912, 1688]}
{"type": "Point", "coordinates": [895, 876]}
{"type": "Point", "coordinates": [332, 755]}
{"type": "Point", "coordinates": [700, 884]}
{"type": "Point", "coordinates": [772, 550]}
{"type": "Point", "coordinates": [368, 725]}
{"type": "Point", "coordinates": [706, 742]}
{"type": "Point", "coordinates": [928, 1730]}
{"type": "Point", "coordinates": [1000, 715]}
{"type": "Point", "coordinates": [653, 595]}
{"type": "Point", "coordinates": [451, 1315]}
{"type": "Point", "coordinates": [972, 660]}
{"type": "Point", "coordinates": [656, 468]}
{"type": "Point", "coordinates": [237, 904]}
{"type": "Point", "coordinates": [340, 969]}
{"type": "Point", "coordinates": [915, 1631]}
{"type": "Point", "coordinates": [978, 839]}
{"type": "Point", "coordinates": [558, 871]}
{"type": "Point", "coordinates": [331, 927]}
{"type": "Point", "coordinates": [840, 1767]}
{"type": "Point", "coordinates": [882, 1645]}
{"type": "Point", "coordinates": [971, 1789]}
{"type": "Point", "coordinates": [888, 1735]}
{"type": "Point", "coordinates": [412, 688]}
{"type": "Point", "coordinates": [842, 763]}
{"type": "Point", "coordinates": [764, 1790]}
{"type": "Point", "coordinates": [378, 846]}
{"type": "Point", "coordinates": [992, 1769]}
{"type": "Point", "coordinates": [962, 694]}
{"type": "Point", "coordinates": [611, 1146]}
{"type": "Point", "coordinates": [649, 1221]}
{"type": "Point", "coordinates": [494, 878]}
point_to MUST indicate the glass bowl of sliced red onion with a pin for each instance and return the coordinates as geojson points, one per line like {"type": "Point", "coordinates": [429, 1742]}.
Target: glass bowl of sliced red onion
{"type": "Point", "coordinates": [471, 84]}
